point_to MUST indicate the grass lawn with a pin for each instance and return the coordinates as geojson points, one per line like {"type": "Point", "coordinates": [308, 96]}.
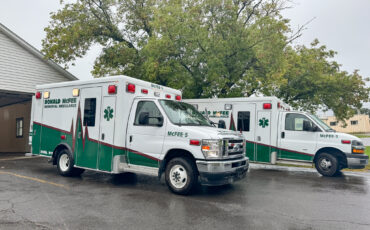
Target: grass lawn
{"type": "Point", "coordinates": [367, 152]}
{"type": "Point", "coordinates": [361, 135]}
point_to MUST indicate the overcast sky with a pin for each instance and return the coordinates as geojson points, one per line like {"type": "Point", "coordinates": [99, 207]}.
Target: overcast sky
{"type": "Point", "coordinates": [339, 24]}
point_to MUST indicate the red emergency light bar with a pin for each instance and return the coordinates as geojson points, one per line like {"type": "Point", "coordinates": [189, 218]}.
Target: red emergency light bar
{"type": "Point", "coordinates": [112, 89]}
{"type": "Point", "coordinates": [168, 96]}
{"type": "Point", "coordinates": [130, 88]}
{"type": "Point", "coordinates": [178, 98]}
{"type": "Point", "coordinates": [267, 106]}
{"type": "Point", "coordinates": [38, 95]}
{"type": "Point", "coordinates": [144, 91]}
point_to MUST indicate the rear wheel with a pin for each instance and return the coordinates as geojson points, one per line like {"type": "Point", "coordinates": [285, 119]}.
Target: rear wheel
{"type": "Point", "coordinates": [65, 164]}
{"type": "Point", "coordinates": [327, 165]}
{"type": "Point", "coordinates": [181, 175]}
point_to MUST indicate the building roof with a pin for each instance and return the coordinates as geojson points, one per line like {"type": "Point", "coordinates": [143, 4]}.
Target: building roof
{"type": "Point", "coordinates": [35, 52]}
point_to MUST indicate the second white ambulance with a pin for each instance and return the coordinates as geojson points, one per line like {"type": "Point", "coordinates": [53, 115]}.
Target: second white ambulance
{"type": "Point", "coordinates": [274, 133]}
{"type": "Point", "coordinates": [121, 124]}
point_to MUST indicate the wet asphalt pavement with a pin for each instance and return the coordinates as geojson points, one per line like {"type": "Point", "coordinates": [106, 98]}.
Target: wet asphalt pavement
{"type": "Point", "coordinates": [34, 196]}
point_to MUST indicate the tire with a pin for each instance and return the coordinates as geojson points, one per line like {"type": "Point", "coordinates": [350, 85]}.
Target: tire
{"type": "Point", "coordinates": [327, 165]}
{"type": "Point", "coordinates": [181, 175]}
{"type": "Point", "coordinates": [65, 164]}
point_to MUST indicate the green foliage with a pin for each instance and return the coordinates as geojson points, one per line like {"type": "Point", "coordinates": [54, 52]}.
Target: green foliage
{"type": "Point", "coordinates": [365, 111]}
{"type": "Point", "coordinates": [312, 82]}
{"type": "Point", "coordinates": [206, 48]}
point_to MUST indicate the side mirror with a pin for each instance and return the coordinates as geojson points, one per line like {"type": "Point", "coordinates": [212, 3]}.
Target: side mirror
{"type": "Point", "coordinates": [144, 118]}
{"type": "Point", "coordinates": [160, 121]}
{"type": "Point", "coordinates": [307, 126]}
{"type": "Point", "coordinates": [315, 128]}
{"type": "Point", "coordinates": [221, 124]}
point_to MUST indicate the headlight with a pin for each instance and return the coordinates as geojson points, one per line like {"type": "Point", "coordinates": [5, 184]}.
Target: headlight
{"type": "Point", "coordinates": [358, 147]}
{"type": "Point", "coordinates": [357, 143]}
{"type": "Point", "coordinates": [212, 149]}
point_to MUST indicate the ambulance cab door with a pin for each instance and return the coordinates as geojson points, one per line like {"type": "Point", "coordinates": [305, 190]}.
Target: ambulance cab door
{"type": "Point", "coordinates": [244, 116]}
{"type": "Point", "coordinates": [108, 117]}
{"type": "Point", "coordinates": [298, 137]}
{"type": "Point", "coordinates": [145, 134]}
{"type": "Point", "coordinates": [88, 130]}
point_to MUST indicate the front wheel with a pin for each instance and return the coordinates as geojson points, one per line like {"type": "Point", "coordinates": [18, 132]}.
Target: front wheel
{"type": "Point", "coordinates": [181, 175]}
{"type": "Point", "coordinates": [327, 164]}
{"type": "Point", "coordinates": [65, 164]}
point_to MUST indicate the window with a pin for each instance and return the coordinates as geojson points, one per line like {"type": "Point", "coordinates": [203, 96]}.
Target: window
{"type": "Point", "coordinates": [181, 113]}
{"type": "Point", "coordinates": [19, 127]}
{"type": "Point", "coordinates": [333, 123]}
{"type": "Point", "coordinates": [89, 112]}
{"type": "Point", "coordinates": [294, 122]}
{"type": "Point", "coordinates": [354, 122]}
{"type": "Point", "coordinates": [244, 121]}
{"type": "Point", "coordinates": [148, 114]}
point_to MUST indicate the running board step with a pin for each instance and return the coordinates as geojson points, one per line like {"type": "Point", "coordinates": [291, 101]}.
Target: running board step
{"type": "Point", "coordinates": [291, 162]}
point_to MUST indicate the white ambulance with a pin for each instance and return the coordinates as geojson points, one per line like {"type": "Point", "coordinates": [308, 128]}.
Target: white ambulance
{"type": "Point", "coordinates": [275, 133]}
{"type": "Point", "coordinates": [121, 124]}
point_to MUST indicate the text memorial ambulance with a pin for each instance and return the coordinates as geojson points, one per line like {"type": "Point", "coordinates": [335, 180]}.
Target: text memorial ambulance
{"type": "Point", "coordinates": [120, 124]}
{"type": "Point", "coordinates": [274, 133]}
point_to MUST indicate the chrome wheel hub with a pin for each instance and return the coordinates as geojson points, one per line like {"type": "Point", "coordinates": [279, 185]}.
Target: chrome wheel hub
{"type": "Point", "coordinates": [325, 164]}
{"type": "Point", "coordinates": [64, 162]}
{"type": "Point", "coordinates": [178, 176]}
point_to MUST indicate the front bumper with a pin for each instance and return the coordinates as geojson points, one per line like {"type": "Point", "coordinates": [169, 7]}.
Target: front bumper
{"type": "Point", "coordinates": [213, 173]}
{"type": "Point", "coordinates": [357, 161]}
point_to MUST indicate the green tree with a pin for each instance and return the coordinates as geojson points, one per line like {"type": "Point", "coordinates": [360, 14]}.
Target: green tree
{"type": "Point", "coordinates": [365, 111]}
{"type": "Point", "coordinates": [311, 82]}
{"type": "Point", "coordinates": [206, 48]}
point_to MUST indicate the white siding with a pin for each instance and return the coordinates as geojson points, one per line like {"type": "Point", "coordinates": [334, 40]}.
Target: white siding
{"type": "Point", "coordinates": [21, 71]}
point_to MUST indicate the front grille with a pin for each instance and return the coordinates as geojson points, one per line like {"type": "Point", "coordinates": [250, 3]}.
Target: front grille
{"type": "Point", "coordinates": [233, 147]}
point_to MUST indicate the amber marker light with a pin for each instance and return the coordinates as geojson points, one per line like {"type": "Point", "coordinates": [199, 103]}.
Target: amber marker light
{"type": "Point", "coordinates": [76, 92]}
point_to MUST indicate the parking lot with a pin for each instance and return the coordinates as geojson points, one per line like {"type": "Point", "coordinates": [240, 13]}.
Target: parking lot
{"type": "Point", "coordinates": [34, 196]}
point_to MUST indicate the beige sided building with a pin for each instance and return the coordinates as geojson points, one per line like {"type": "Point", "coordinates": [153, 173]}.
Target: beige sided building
{"type": "Point", "coordinates": [357, 124]}
{"type": "Point", "coordinates": [22, 67]}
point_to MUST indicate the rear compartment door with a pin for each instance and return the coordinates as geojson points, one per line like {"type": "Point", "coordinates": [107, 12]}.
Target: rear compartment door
{"type": "Point", "coordinates": [244, 120]}
{"type": "Point", "coordinates": [108, 117]}
{"type": "Point", "coordinates": [88, 130]}
{"type": "Point", "coordinates": [263, 136]}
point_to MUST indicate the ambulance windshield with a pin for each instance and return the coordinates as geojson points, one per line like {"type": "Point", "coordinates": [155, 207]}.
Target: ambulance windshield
{"type": "Point", "coordinates": [321, 123]}
{"type": "Point", "coordinates": [181, 113]}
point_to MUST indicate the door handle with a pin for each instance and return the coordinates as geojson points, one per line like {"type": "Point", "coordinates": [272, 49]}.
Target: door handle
{"type": "Point", "coordinates": [102, 136]}
{"type": "Point", "coordinates": [131, 138]}
{"type": "Point", "coordinates": [259, 138]}
{"type": "Point", "coordinates": [282, 134]}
